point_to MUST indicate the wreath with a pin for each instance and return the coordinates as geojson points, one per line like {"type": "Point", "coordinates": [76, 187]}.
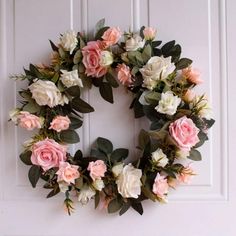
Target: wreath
{"type": "Point", "coordinates": [162, 84]}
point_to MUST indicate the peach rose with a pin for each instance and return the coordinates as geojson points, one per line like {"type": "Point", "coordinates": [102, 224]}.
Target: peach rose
{"type": "Point", "coordinates": [123, 74]}
{"type": "Point", "coordinates": [29, 121]}
{"type": "Point", "coordinates": [192, 75]}
{"type": "Point", "coordinates": [189, 95]}
{"type": "Point", "coordinates": [112, 36]}
{"type": "Point", "coordinates": [97, 169]}
{"type": "Point", "coordinates": [160, 186]}
{"type": "Point", "coordinates": [184, 132]}
{"type": "Point", "coordinates": [67, 172]}
{"type": "Point", "coordinates": [91, 60]}
{"type": "Point", "coordinates": [48, 154]}
{"type": "Point", "coordinates": [149, 33]}
{"type": "Point", "coordinates": [186, 175]}
{"type": "Point", "coordinates": [60, 123]}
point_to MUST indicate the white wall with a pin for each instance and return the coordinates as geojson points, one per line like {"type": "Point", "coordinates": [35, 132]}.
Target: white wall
{"type": "Point", "coordinates": [206, 31]}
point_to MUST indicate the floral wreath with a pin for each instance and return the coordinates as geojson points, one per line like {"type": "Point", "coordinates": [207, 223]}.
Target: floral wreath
{"type": "Point", "coordinates": [162, 85]}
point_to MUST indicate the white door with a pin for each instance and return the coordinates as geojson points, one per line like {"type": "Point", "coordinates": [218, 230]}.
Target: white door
{"type": "Point", "coordinates": [206, 30]}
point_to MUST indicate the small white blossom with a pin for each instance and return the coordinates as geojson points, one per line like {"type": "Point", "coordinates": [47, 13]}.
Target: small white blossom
{"type": "Point", "coordinates": [85, 194]}
{"type": "Point", "coordinates": [134, 43]}
{"type": "Point", "coordinates": [14, 114]}
{"type": "Point", "coordinates": [106, 58]}
{"type": "Point", "coordinates": [69, 41]}
{"type": "Point", "coordinates": [117, 169]}
{"type": "Point", "coordinates": [160, 158]}
{"type": "Point", "coordinates": [98, 184]}
{"type": "Point", "coordinates": [71, 78]}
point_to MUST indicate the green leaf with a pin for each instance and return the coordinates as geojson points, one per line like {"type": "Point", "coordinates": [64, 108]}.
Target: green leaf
{"type": "Point", "coordinates": [100, 33]}
{"type": "Point", "coordinates": [73, 91]}
{"type": "Point", "coordinates": [26, 157]}
{"type": "Point", "coordinates": [156, 43]}
{"type": "Point", "coordinates": [209, 123]}
{"type": "Point", "coordinates": [55, 78]}
{"type": "Point", "coordinates": [105, 90]}
{"type": "Point", "coordinates": [97, 200]}
{"type": "Point", "coordinates": [75, 123]}
{"type": "Point", "coordinates": [34, 174]}
{"type": "Point", "coordinates": [124, 208]}
{"type": "Point", "coordinates": [147, 53]}
{"type": "Point", "coordinates": [34, 70]}
{"type": "Point", "coordinates": [143, 138]}
{"type": "Point", "coordinates": [81, 106]}
{"type": "Point", "coordinates": [166, 48]}
{"type": "Point", "coordinates": [69, 136]}
{"type": "Point", "coordinates": [77, 57]}
{"type": "Point", "coordinates": [31, 107]}
{"type": "Point", "coordinates": [78, 155]}
{"type": "Point", "coordinates": [138, 109]}
{"type": "Point", "coordinates": [100, 24]}
{"type": "Point", "coordinates": [195, 155]}
{"type": "Point", "coordinates": [150, 113]}
{"type": "Point", "coordinates": [138, 207]}
{"type": "Point", "coordinates": [152, 97]}
{"type": "Point", "coordinates": [202, 137]}
{"type": "Point", "coordinates": [104, 145]}
{"type": "Point", "coordinates": [141, 32]}
{"type": "Point", "coordinates": [98, 154]}
{"type": "Point", "coordinates": [114, 206]}
{"type": "Point", "coordinates": [53, 46]}
{"type": "Point", "coordinates": [157, 124]}
{"type": "Point", "coordinates": [119, 154]}
{"type": "Point", "coordinates": [183, 63]}
{"type": "Point", "coordinates": [148, 193]}
{"type": "Point", "coordinates": [112, 81]}
{"type": "Point", "coordinates": [54, 192]}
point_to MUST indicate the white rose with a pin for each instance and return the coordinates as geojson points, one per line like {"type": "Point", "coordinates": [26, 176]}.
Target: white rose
{"type": "Point", "coordinates": [85, 194]}
{"type": "Point", "coordinates": [71, 78]}
{"type": "Point", "coordinates": [134, 43]}
{"type": "Point", "coordinates": [117, 169]}
{"type": "Point", "coordinates": [150, 83]}
{"type": "Point", "coordinates": [157, 68]}
{"type": "Point", "coordinates": [128, 182]}
{"type": "Point", "coordinates": [160, 158]}
{"type": "Point", "coordinates": [106, 58]}
{"type": "Point", "coordinates": [98, 184]}
{"type": "Point", "coordinates": [47, 93]}
{"type": "Point", "coordinates": [14, 114]}
{"type": "Point", "coordinates": [168, 103]}
{"type": "Point", "coordinates": [69, 41]}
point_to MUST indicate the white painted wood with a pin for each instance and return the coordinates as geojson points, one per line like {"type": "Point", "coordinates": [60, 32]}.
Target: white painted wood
{"type": "Point", "coordinates": [205, 29]}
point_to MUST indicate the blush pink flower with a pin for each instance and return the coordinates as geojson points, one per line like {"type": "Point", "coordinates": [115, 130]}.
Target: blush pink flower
{"type": "Point", "coordinates": [111, 36]}
{"type": "Point", "coordinates": [186, 175]}
{"type": "Point", "coordinates": [48, 154]}
{"type": "Point", "coordinates": [149, 33]}
{"type": "Point", "coordinates": [184, 132]}
{"type": "Point", "coordinates": [123, 74]}
{"type": "Point", "coordinates": [67, 172]}
{"type": "Point", "coordinates": [189, 95]}
{"type": "Point", "coordinates": [97, 169]}
{"type": "Point", "coordinates": [91, 60]}
{"type": "Point", "coordinates": [192, 75]}
{"type": "Point", "coordinates": [160, 186]}
{"type": "Point", "coordinates": [60, 123]}
{"type": "Point", "coordinates": [29, 121]}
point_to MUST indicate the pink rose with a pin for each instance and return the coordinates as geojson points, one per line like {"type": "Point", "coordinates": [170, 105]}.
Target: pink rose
{"type": "Point", "coordinates": [160, 186]}
{"type": "Point", "coordinates": [60, 123]}
{"type": "Point", "coordinates": [28, 121]}
{"type": "Point", "coordinates": [48, 154]}
{"type": "Point", "coordinates": [184, 132]}
{"type": "Point", "coordinates": [97, 169]}
{"type": "Point", "coordinates": [123, 74]}
{"type": "Point", "coordinates": [149, 33]}
{"type": "Point", "coordinates": [111, 36]}
{"type": "Point", "coordinates": [91, 60]}
{"type": "Point", "coordinates": [186, 175]}
{"type": "Point", "coordinates": [67, 172]}
{"type": "Point", "coordinates": [192, 75]}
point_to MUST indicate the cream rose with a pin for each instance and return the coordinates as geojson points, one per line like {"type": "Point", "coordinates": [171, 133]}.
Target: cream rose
{"type": "Point", "coordinates": [168, 103]}
{"type": "Point", "coordinates": [71, 78]}
{"type": "Point", "coordinates": [47, 93]}
{"type": "Point", "coordinates": [69, 41]}
{"type": "Point", "coordinates": [134, 43]}
{"type": "Point", "coordinates": [98, 184]}
{"type": "Point", "coordinates": [128, 182]}
{"type": "Point", "coordinates": [106, 58]}
{"type": "Point", "coordinates": [117, 169]}
{"type": "Point", "coordinates": [85, 194]}
{"type": "Point", "coordinates": [157, 68]}
{"type": "Point", "coordinates": [160, 158]}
